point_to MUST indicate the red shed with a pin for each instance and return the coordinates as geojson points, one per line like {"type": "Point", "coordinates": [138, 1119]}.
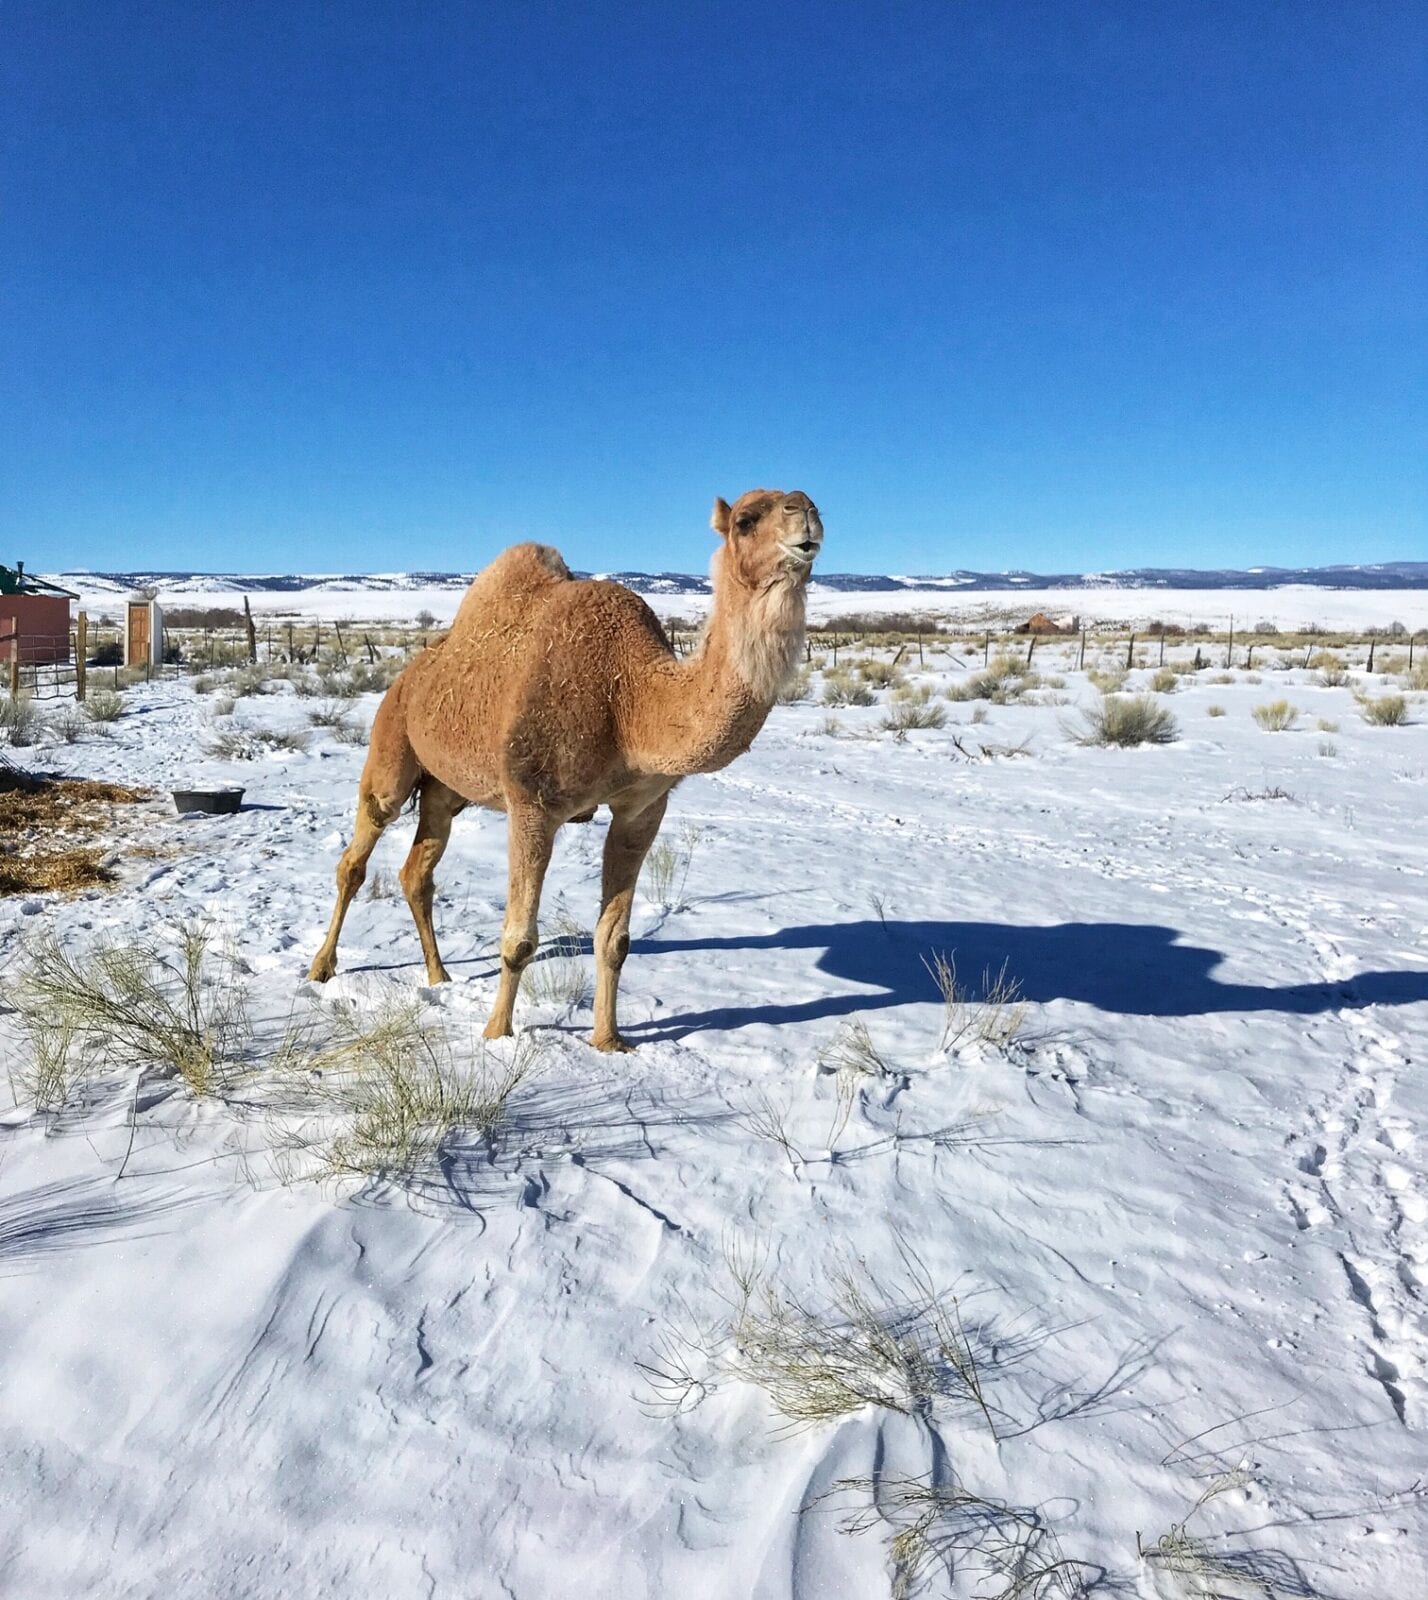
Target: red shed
{"type": "Point", "coordinates": [34, 626]}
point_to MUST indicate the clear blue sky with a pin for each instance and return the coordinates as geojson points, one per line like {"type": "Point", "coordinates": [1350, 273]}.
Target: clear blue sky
{"type": "Point", "coordinates": [1001, 284]}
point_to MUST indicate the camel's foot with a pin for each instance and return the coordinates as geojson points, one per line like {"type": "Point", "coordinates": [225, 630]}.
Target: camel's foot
{"type": "Point", "coordinates": [322, 968]}
{"type": "Point", "coordinates": [612, 1044]}
{"type": "Point", "coordinates": [497, 1029]}
{"type": "Point", "coordinates": [437, 974]}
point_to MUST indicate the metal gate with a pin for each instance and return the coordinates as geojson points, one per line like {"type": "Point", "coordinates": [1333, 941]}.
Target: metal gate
{"type": "Point", "coordinates": [42, 680]}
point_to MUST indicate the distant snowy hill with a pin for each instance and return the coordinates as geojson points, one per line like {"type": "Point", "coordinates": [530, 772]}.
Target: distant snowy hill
{"type": "Point", "coordinates": [1391, 575]}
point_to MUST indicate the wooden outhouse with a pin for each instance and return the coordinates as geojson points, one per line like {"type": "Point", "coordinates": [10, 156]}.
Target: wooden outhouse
{"type": "Point", "coordinates": [143, 633]}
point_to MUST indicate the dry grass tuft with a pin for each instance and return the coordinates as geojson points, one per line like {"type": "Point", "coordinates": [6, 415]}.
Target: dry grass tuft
{"type": "Point", "coordinates": [842, 688]}
{"type": "Point", "coordinates": [1108, 680]}
{"type": "Point", "coordinates": [864, 1345]}
{"type": "Point", "coordinates": [1003, 680]}
{"type": "Point", "coordinates": [20, 720]}
{"type": "Point", "coordinates": [1333, 674]}
{"type": "Point", "coordinates": [558, 977]}
{"type": "Point", "coordinates": [176, 1010]}
{"type": "Point", "coordinates": [854, 1061]}
{"type": "Point", "coordinates": [881, 674]}
{"type": "Point", "coordinates": [1388, 711]}
{"type": "Point", "coordinates": [392, 1096]}
{"type": "Point", "coordinates": [103, 705]}
{"type": "Point", "coordinates": [666, 870]}
{"type": "Point", "coordinates": [1189, 1556]}
{"type": "Point", "coordinates": [330, 714]}
{"type": "Point", "coordinates": [906, 715]}
{"type": "Point", "coordinates": [1276, 716]}
{"type": "Point", "coordinates": [251, 744]}
{"type": "Point", "coordinates": [1128, 720]}
{"type": "Point", "coordinates": [796, 688]}
{"type": "Point", "coordinates": [947, 1528]}
{"type": "Point", "coordinates": [994, 1020]}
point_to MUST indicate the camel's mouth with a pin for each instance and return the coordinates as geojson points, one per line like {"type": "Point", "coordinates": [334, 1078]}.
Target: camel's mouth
{"type": "Point", "coordinates": [802, 554]}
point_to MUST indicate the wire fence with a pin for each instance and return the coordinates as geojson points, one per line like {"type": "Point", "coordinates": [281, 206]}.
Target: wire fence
{"type": "Point", "coordinates": [96, 650]}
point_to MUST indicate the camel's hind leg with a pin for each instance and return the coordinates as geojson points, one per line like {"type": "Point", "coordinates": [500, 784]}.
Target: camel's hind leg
{"type": "Point", "coordinates": [626, 846]}
{"type": "Point", "coordinates": [531, 838]}
{"type": "Point", "coordinates": [388, 778]}
{"type": "Point", "coordinates": [438, 806]}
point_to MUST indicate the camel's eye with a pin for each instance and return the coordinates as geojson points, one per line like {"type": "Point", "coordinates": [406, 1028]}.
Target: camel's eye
{"type": "Point", "coordinates": [746, 523]}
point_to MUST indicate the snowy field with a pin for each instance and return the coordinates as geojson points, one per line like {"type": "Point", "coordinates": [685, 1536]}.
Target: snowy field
{"type": "Point", "coordinates": [1152, 1252]}
{"type": "Point", "coordinates": [1290, 606]}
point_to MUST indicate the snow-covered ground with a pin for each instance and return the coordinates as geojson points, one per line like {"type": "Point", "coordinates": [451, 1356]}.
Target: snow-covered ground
{"type": "Point", "coordinates": [1183, 1210]}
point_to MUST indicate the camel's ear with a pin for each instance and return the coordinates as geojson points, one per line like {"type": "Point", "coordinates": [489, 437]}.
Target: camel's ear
{"type": "Point", "coordinates": [723, 518]}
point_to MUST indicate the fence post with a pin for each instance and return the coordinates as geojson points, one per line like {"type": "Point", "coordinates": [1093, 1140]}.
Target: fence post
{"type": "Point", "coordinates": [1372, 643]}
{"type": "Point", "coordinates": [1230, 647]}
{"type": "Point", "coordinates": [1082, 662]}
{"type": "Point", "coordinates": [1130, 653]}
{"type": "Point", "coordinates": [251, 631]}
{"type": "Point", "coordinates": [81, 653]}
{"type": "Point", "coordinates": [987, 648]}
{"type": "Point", "coordinates": [15, 668]}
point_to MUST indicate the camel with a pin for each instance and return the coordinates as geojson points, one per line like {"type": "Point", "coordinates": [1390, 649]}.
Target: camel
{"type": "Point", "coordinates": [551, 696]}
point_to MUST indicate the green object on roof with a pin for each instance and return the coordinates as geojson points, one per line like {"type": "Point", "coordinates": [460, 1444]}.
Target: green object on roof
{"type": "Point", "coordinates": [14, 581]}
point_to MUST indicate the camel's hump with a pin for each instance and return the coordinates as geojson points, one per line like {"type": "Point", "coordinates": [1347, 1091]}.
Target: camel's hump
{"type": "Point", "coordinates": [524, 565]}
{"type": "Point", "coordinates": [517, 574]}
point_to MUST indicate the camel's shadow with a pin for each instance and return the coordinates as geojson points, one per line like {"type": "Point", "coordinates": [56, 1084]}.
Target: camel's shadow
{"type": "Point", "coordinates": [1137, 969]}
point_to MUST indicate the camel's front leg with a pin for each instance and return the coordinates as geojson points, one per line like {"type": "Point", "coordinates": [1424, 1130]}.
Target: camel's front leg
{"type": "Point", "coordinates": [626, 846]}
{"type": "Point", "coordinates": [531, 836]}
{"type": "Point", "coordinates": [373, 815]}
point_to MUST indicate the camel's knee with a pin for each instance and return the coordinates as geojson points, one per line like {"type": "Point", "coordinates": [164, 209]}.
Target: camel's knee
{"type": "Point", "coordinates": [612, 948]}
{"type": "Point", "coordinates": [351, 875]}
{"type": "Point", "coordinates": [518, 950]}
{"type": "Point", "coordinates": [380, 809]}
{"type": "Point", "coordinates": [416, 880]}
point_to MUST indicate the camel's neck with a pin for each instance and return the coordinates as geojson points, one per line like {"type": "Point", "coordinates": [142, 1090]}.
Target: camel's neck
{"type": "Point", "coordinates": [704, 712]}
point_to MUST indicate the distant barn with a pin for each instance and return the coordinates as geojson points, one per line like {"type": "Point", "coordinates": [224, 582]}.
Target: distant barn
{"type": "Point", "coordinates": [1041, 623]}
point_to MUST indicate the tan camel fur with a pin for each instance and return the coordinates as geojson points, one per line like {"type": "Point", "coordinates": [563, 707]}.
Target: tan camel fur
{"type": "Point", "coordinates": [551, 696]}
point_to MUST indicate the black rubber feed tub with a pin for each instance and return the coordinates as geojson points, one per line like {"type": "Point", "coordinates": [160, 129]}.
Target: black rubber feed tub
{"type": "Point", "coordinates": [215, 802]}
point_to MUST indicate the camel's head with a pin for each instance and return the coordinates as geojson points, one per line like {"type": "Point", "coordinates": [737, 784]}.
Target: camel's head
{"type": "Point", "coordinates": [769, 535]}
